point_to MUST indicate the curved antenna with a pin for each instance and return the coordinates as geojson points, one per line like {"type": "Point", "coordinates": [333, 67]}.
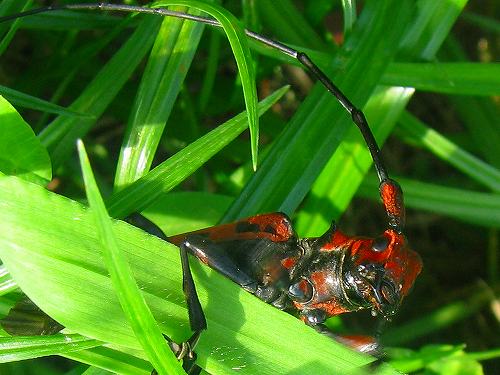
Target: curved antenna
{"type": "Point", "coordinates": [390, 191]}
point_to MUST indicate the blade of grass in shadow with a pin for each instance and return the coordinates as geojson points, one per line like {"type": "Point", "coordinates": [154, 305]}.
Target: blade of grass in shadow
{"type": "Point", "coordinates": [60, 136]}
{"type": "Point", "coordinates": [210, 74]}
{"type": "Point", "coordinates": [27, 101]}
{"type": "Point", "coordinates": [22, 154]}
{"type": "Point", "coordinates": [450, 152]}
{"type": "Point", "coordinates": [304, 147]}
{"type": "Point", "coordinates": [161, 82]}
{"type": "Point", "coordinates": [134, 306]}
{"type": "Point", "coordinates": [8, 7]}
{"type": "Point", "coordinates": [463, 78]}
{"type": "Point", "coordinates": [238, 41]}
{"type": "Point", "coordinates": [439, 318]}
{"type": "Point", "coordinates": [288, 23]}
{"type": "Point", "coordinates": [164, 177]}
{"type": "Point", "coordinates": [479, 115]}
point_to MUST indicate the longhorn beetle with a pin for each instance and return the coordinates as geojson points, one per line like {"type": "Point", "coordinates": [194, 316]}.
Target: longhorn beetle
{"type": "Point", "coordinates": [314, 277]}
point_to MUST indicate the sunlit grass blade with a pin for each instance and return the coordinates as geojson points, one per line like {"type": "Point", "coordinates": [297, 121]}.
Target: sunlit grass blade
{"type": "Point", "coordinates": [111, 360]}
{"type": "Point", "coordinates": [349, 14]}
{"type": "Point", "coordinates": [7, 284]}
{"type": "Point", "coordinates": [350, 163]}
{"type": "Point", "coordinates": [171, 172]}
{"type": "Point", "coordinates": [65, 276]}
{"type": "Point", "coordinates": [21, 348]}
{"type": "Point", "coordinates": [22, 153]}
{"type": "Point", "coordinates": [239, 45]}
{"type": "Point", "coordinates": [134, 306]}
{"type": "Point", "coordinates": [168, 64]}
{"type": "Point", "coordinates": [344, 172]}
{"type": "Point", "coordinates": [182, 212]}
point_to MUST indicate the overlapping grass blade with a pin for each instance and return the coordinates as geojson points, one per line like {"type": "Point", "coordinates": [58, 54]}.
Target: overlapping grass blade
{"type": "Point", "coordinates": [168, 174]}
{"type": "Point", "coordinates": [134, 306]}
{"type": "Point", "coordinates": [168, 64]}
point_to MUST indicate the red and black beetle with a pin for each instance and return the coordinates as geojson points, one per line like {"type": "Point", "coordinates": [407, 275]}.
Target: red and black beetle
{"type": "Point", "coordinates": [317, 277]}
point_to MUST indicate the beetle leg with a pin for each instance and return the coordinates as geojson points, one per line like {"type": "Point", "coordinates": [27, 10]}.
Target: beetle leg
{"type": "Point", "coordinates": [197, 321]}
{"type": "Point", "coordinates": [361, 343]}
{"type": "Point", "coordinates": [209, 253]}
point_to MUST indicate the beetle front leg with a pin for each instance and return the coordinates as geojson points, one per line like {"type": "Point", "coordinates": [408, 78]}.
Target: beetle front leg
{"type": "Point", "coordinates": [197, 321]}
{"type": "Point", "coordinates": [209, 253]}
{"type": "Point", "coordinates": [364, 344]}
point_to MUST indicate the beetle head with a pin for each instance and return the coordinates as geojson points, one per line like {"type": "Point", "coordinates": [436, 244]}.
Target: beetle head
{"type": "Point", "coordinates": [379, 272]}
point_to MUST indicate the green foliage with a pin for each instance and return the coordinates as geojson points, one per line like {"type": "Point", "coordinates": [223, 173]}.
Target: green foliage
{"type": "Point", "coordinates": [160, 107]}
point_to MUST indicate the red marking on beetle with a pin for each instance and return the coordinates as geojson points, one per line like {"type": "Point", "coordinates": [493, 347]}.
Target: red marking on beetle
{"type": "Point", "coordinates": [320, 282]}
{"type": "Point", "coordinates": [331, 308]}
{"type": "Point", "coordinates": [275, 227]}
{"type": "Point", "coordinates": [279, 224]}
{"type": "Point", "coordinates": [289, 262]}
{"type": "Point", "coordinates": [338, 241]}
{"type": "Point", "coordinates": [364, 344]}
{"type": "Point", "coordinates": [304, 286]}
{"type": "Point", "coordinates": [392, 197]}
{"type": "Point", "coordinates": [203, 258]}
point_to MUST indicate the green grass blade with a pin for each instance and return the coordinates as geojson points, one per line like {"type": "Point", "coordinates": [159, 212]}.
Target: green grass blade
{"type": "Point", "coordinates": [288, 23]}
{"type": "Point", "coordinates": [111, 360]}
{"type": "Point", "coordinates": [22, 154]}
{"type": "Point", "coordinates": [8, 7]}
{"type": "Point", "coordinates": [182, 212]}
{"type": "Point", "coordinates": [450, 152]}
{"type": "Point", "coordinates": [28, 101]}
{"type": "Point", "coordinates": [352, 160]}
{"type": "Point", "coordinates": [21, 348]}
{"type": "Point", "coordinates": [239, 45]}
{"type": "Point", "coordinates": [135, 308]}
{"type": "Point", "coordinates": [171, 172]}
{"type": "Point", "coordinates": [60, 136]}
{"type": "Point", "coordinates": [462, 78]}
{"type": "Point", "coordinates": [167, 67]}
{"type": "Point", "coordinates": [479, 115]}
{"type": "Point", "coordinates": [349, 14]}
{"type": "Point", "coordinates": [350, 163]}
{"type": "Point", "coordinates": [440, 318]}
{"type": "Point", "coordinates": [303, 149]}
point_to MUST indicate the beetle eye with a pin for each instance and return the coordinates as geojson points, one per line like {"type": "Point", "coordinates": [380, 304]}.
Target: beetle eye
{"type": "Point", "coordinates": [380, 244]}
